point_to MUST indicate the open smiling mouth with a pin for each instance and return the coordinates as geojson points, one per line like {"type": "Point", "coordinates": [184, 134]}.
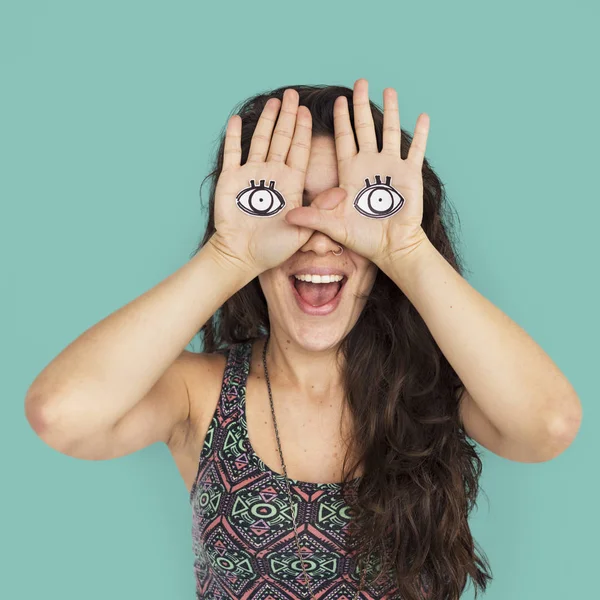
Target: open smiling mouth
{"type": "Point", "coordinates": [317, 298]}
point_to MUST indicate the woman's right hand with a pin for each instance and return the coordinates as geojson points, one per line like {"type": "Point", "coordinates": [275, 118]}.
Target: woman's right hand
{"type": "Point", "coordinates": [258, 243]}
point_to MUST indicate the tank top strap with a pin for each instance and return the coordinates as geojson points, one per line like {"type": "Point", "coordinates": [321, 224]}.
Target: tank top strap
{"type": "Point", "coordinates": [235, 377]}
{"type": "Point", "coordinates": [222, 435]}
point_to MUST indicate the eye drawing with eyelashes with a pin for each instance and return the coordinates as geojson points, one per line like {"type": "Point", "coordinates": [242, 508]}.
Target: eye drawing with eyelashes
{"type": "Point", "coordinates": [259, 200]}
{"type": "Point", "coordinates": [378, 200]}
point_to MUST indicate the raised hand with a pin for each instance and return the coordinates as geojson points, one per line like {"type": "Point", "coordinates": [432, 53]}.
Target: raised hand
{"type": "Point", "coordinates": [382, 213]}
{"type": "Point", "coordinates": [251, 200]}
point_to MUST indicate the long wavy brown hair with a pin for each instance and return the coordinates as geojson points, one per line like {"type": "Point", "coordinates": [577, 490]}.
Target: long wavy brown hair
{"type": "Point", "coordinates": [421, 473]}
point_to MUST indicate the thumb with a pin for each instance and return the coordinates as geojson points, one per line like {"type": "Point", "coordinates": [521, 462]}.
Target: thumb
{"type": "Point", "coordinates": [319, 215]}
{"type": "Point", "coordinates": [329, 198]}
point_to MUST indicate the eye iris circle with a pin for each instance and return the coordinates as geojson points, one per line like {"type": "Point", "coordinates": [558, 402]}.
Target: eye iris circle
{"type": "Point", "coordinates": [260, 200]}
{"type": "Point", "coordinates": [380, 200]}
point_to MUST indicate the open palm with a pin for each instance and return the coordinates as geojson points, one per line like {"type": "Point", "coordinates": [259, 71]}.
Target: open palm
{"type": "Point", "coordinates": [373, 234]}
{"type": "Point", "coordinates": [250, 227]}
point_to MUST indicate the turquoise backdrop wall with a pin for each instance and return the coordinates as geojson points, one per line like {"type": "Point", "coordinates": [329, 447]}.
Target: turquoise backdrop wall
{"type": "Point", "coordinates": [110, 115]}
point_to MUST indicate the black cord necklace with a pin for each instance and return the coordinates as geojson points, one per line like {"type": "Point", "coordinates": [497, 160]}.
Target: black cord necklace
{"type": "Point", "coordinates": [287, 483]}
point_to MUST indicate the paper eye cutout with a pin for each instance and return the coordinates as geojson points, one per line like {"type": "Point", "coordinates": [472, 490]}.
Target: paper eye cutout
{"type": "Point", "coordinates": [378, 200]}
{"type": "Point", "coordinates": [260, 201]}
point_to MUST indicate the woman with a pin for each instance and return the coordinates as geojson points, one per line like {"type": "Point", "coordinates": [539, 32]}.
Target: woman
{"type": "Point", "coordinates": [323, 431]}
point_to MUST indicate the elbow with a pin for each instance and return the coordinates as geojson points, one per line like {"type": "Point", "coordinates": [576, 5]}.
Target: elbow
{"type": "Point", "coordinates": [41, 413]}
{"type": "Point", "coordinates": [563, 430]}
{"type": "Point", "coordinates": [37, 411]}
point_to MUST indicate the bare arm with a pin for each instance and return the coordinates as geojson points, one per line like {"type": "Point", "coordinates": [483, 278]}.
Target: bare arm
{"type": "Point", "coordinates": [517, 403]}
{"type": "Point", "coordinates": [120, 385]}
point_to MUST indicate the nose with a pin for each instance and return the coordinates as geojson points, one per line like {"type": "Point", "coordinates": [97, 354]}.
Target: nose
{"type": "Point", "coordinates": [320, 244]}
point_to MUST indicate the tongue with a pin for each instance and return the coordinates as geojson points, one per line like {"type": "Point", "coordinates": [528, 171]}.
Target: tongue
{"type": "Point", "coordinates": [317, 294]}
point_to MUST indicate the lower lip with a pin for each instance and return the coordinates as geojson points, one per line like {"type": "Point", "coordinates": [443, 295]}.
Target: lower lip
{"type": "Point", "coordinates": [319, 311]}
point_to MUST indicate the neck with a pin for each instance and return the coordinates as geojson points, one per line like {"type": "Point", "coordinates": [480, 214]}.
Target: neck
{"type": "Point", "coordinates": [313, 375]}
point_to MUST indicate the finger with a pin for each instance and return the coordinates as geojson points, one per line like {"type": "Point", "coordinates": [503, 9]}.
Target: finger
{"type": "Point", "coordinates": [300, 150]}
{"type": "Point", "coordinates": [317, 219]}
{"type": "Point", "coordinates": [345, 147]}
{"type": "Point", "coordinates": [232, 150]}
{"type": "Point", "coordinates": [261, 138]}
{"type": "Point", "coordinates": [321, 215]}
{"type": "Point", "coordinates": [416, 152]}
{"type": "Point", "coordinates": [284, 130]}
{"type": "Point", "coordinates": [391, 123]}
{"type": "Point", "coordinates": [363, 118]}
{"type": "Point", "coordinates": [329, 198]}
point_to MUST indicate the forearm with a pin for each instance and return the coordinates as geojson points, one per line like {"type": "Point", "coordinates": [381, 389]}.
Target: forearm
{"type": "Point", "coordinates": [512, 380]}
{"type": "Point", "coordinates": [105, 371]}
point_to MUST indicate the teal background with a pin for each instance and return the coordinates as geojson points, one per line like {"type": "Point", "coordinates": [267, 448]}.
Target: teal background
{"type": "Point", "coordinates": [110, 114]}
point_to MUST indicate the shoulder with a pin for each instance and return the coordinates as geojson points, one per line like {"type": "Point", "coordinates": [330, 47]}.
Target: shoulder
{"type": "Point", "coordinates": [202, 371]}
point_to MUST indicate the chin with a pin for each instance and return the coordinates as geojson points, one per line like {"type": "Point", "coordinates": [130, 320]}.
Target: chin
{"type": "Point", "coordinates": [315, 338]}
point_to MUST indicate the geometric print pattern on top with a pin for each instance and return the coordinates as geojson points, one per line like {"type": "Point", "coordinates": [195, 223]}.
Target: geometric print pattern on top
{"type": "Point", "coordinates": [242, 530]}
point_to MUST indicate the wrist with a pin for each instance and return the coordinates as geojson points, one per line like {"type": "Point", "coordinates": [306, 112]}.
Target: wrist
{"type": "Point", "coordinates": [404, 265]}
{"type": "Point", "coordinates": [227, 263]}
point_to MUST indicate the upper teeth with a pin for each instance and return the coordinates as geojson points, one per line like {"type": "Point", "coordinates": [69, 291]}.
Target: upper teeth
{"type": "Point", "coordinates": [319, 278]}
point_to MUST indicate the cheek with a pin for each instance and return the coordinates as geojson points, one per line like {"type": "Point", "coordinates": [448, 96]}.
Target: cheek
{"type": "Point", "coordinates": [368, 280]}
{"type": "Point", "coordinates": [265, 284]}
{"type": "Point", "coordinates": [271, 284]}
{"type": "Point", "coordinates": [368, 271]}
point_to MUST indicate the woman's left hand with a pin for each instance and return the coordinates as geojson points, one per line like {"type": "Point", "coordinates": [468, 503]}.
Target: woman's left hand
{"type": "Point", "coordinates": [394, 231]}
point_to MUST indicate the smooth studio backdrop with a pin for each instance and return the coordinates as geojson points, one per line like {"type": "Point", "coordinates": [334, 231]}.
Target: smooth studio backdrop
{"type": "Point", "coordinates": [110, 114]}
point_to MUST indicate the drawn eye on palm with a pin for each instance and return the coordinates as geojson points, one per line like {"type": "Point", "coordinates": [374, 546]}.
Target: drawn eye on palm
{"type": "Point", "coordinates": [390, 190]}
{"type": "Point", "coordinates": [379, 200]}
{"type": "Point", "coordinates": [261, 200]}
{"type": "Point", "coordinates": [266, 193]}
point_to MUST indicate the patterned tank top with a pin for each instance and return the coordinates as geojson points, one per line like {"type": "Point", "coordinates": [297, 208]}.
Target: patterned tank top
{"type": "Point", "coordinates": [242, 530]}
